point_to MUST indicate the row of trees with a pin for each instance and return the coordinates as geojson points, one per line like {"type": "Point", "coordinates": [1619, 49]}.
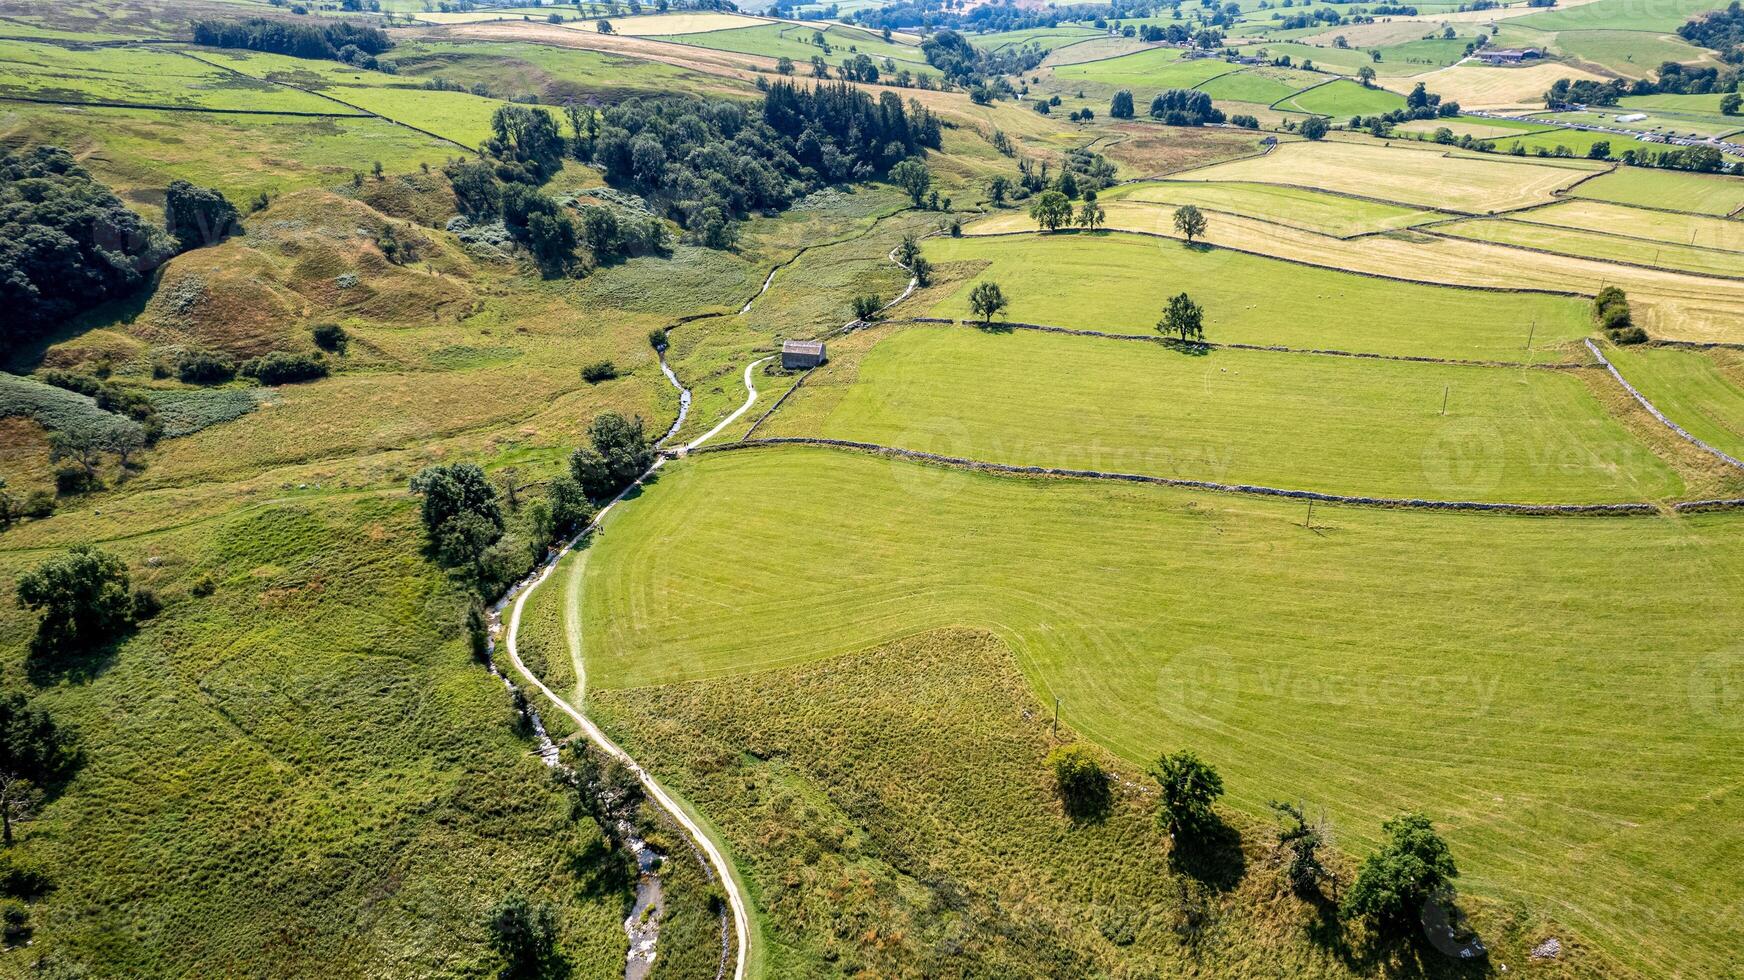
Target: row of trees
{"type": "Point", "coordinates": [1394, 887]}
{"type": "Point", "coordinates": [325, 39]}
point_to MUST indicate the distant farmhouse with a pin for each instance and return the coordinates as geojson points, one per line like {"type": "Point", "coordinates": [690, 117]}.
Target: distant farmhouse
{"type": "Point", "coordinates": [1508, 56]}
{"type": "Point", "coordinates": [800, 355]}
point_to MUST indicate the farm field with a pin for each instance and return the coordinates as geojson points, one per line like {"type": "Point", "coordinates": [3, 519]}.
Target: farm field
{"type": "Point", "coordinates": [1574, 141]}
{"type": "Point", "coordinates": [1668, 304]}
{"type": "Point", "coordinates": [1260, 85]}
{"type": "Point", "coordinates": [1034, 399]}
{"type": "Point", "coordinates": [1344, 98]}
{"type": "Point", "coordinates": [1619, 15]}
{"type": "Point", "coordinates": [1482, 87]}
{"type": "Point", "coordinates": [690, 22]}
{"type": "Point", "coordinates": [1119, 283]}
{"type": "Point", "coordinates": [1145, 73]}
{"type": "Point", "coordinates": [1703, 391]}
{"type": "Point", "coordinates": [1633, 53]}
{"type": "Point", "coordinates": [794, 41]}
{"type": "Point", "coordinates": [138, 77]}
{"type": "Point", "coordinates": [1046, 37]}
{"type": "Point", "coordinates": [1657, 121]}
{"type": "Point", "coordinates": [1477, 127]}
{"type": "Point", "coordinates": [1317, 211]}
{"type": "Point", "coordinates": [1659, 226]}
{"type": "Point", "coordinates": [1404, 175]}
{"type": "Point", "coordinates": [1110, 596]}
{"type": "Point", "coordinates": [1598, 245]}
{"type": "Point", "coordinates": [1668, 189]}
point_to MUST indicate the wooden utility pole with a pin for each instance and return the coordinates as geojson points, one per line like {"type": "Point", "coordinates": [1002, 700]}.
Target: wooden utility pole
{"type": "Point", "coordinates": [1309, 524]}
{"type": "Point", "coordinates": [1056, 714]}
{"type": "Point", "coordinates": [1444, 392]}
{"type": "Point", "coordinates": [1530, 333]}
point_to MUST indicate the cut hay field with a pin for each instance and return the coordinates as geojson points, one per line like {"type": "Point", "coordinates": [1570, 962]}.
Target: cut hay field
{"type": "Point", "coordinates": [1670, 189]}
{"type": "Point", "coordinates": [1620, 15]}
{"type": "Point", "coordinates": [1118, 282]}
{"type": "Point", "coordinates": [1317, 211]}
{"type": "Point", "coordinates": [1703, 391]}
{"type": "Point", "coordinates": [552, 73]}
{"type": "Point", "coordinates": [1034, 399]}
{"type": "Point", "coordinates": [1660, 226]}
{"type": "Point", "coordinates": [1344, 98]}
{"type": "Point", "coordinates": [1482, 87]}
{"type": "Point", "coordinates": [688, 22]}
{"type": "Point", "coordinates": [1598, 245]}
{"type": "Point", "coordinates": [1476, 127]}
{"type": "Point", "coordinates": [1635, 54]}
{"type": "Point", "coordinates": [1405, 175]}
{"type": "Point", "coordinates": [1482, 669]}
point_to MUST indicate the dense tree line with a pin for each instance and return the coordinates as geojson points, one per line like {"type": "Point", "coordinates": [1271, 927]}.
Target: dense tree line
{"type": "Point", "coordinates": [323, 39]}
{"type": "Point", "coordinates": [1184, 107]}
{"type": "Point", "coordinates": [1671, 79]}
{"type": "Point", "coordinates": [66, 243]}
{"type": "Point", "coordinates": [1719, 30]}
{"type": "Point", "coordinates": [966, 65]}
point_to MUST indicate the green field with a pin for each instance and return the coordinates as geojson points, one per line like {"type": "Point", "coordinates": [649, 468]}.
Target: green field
{"type": "Point", "coordinates": [553, 73]}
{"type": "Point", "coordinates": [795, 41]}
{"type": "Point", "coordinates": [1145, 72]}
{"type": "Point", "coordinates": [1620, 15]}
{"type": "Point", "coordinates": [138, 76]}
{"type": "Point", "coordinates": [1599, 245]}
{"type": "Point", "coordinates": [1343, 99]}
{"type": "Point", "coordinates": [1261, 85]}
{"type": "Point", "coordinates": [1703, 391]}
{"type": "Point", "coordinates": [1634, 53]}
{"type": "Point", "coordinates": [1668, 122]}
{"type": "Point", "coordinates": [1119, 282]}
{"type": "Point", "coordinates": [1480, 668]}
{"type": "Point", "coordinates": [1577, 141]}
{"type": "Point", "coordinates": [1669, 189]}
{"type": "Point", "coordinates": [1044, 37]}
{"type": "Point", "coordinates": [1034, 399]}
{"type": "Point", "coordinates": [1317, 211]}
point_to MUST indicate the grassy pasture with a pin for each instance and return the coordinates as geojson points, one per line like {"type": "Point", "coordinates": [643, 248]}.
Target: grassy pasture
{"type": "Point", "coordinates": [1407, 176]}
{"type": "Point", "coordinates": [1261, 85]}
{"type": "Point", "coordinates": [688, 22]}
{"type": "Point", "coordinates": [1048, 400]}
{"type": "Point", "coordinates": [1482, 669]}
{"type": "Point", "coordinates": [1474, 126]}
{"type": "Point", "coordinates": [136, 76]}
{"type": "Point", "coordinates": [1703, 391]}
{"type": "Point", "coordinates": [1669, 122]}
{"type": "Point", "coordinates": [1620, 15]}
{"type": "Point", "coordinates": [1145, 73]}
{"type": "Point", "coordinates": [1670, 189]}
{"type": "Point", "coordinates": [551, 72]}
{"type": "Point", "coordinates": [138, 152]}
{"type": "Point", "coordinates": [1328, 214]}
{"type": "Point", "coordinates": [1119, 283]}
{"type": "Point", "coordinates": [794, 41]}
{"type": "Point", "coordinates": [1046, 37]}
{"type": "Point", "coordinates": [1598, 245]}
{"type": "Point", "coordinates": [1576, 141]}
{"type": "Point", "coordinates": [1344, 98]}
{"type": "Point", "coordinates": [1660, 226]}
{"type": "Point", "coordinates": [1632, 53]}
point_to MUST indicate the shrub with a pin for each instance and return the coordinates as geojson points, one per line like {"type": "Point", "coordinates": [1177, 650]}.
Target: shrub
{"type": "Point", "coordinates": [281, 368]}
{"type": "Point", "coordinates": [1629, 335]}
{"type": "Point", "coordinates": [657, 339]}
{"type": "Point", "coordinates": [1189, 788]}
{"type": "Point", "coordinates": [330, 337]}
{"type": "Point", "coordinates": [198, 216]}
{"type": "Point", "coordinates": [1611, 308]}
{"type": "Point", "coordinates": [198, 367]}
{"type": "Point", "coordinates": [204, 586]}
{"type": "Point", "coordinates": [85, 599]}
{"type": "Point", "coordinates": [1394, 884]}
{"type": "Point", "coordinates": [1080, 781]}
{"type": "Point", "coordinates": [599, 371]}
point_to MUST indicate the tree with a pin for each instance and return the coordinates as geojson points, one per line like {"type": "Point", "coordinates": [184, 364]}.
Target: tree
{"type": "Point", "coordinates": [1366, 75]}
{"type": "Point", "coordinates": [1183, 317]}
{"type": "Point", "coordinates": [603, 26]}
{"type": "Point", "coordinates": [1189, 788]}
{"type": "Point", "coordinates": [1611, 309]}
{"type": "Point", "coordinates": [1314, 128]}
{"type": "Point", "coordinates": [1729, 103]}
{"type": "Point", "coordinates": [1301, 840]}
{"type": "Point", "coordinates": [524, 933]}
{"type": "Point", "coordinates": [460, 512]}
{"type": "Point", "coordinates": [1121, 107]}
{"type": "Point", "coordinates": [605, 789]}
{"type": "Point", "coordinates": [84, 596]}
{"type": "Point", "coordinates": [1190, 222]}
{"type": "Point", "coordinates": [19, 798]}
{"type": "Point", "coordinates": [1090, 215]}
{"type": "Point", "coordinates": [784, 65]}
{"type": "Point", "coordinates": [1080, 782]}
{"type": "Point", "coordinates": [1394, 884]}
{"type": "Point", "coordinates": [570, 509]}
{"type": "Point", "coordinates": [997, 188]}
{"type": "Point", "coordinates": [866, 307]}
{"type": "Point", "coordinates": [32, 745]}
{"type": "Point", "coordinates": [1051, 210]}
{"type": "Point", "coordinates": [618, 452]}
{"type": "Point", "coordinates": [1600, 150]}
{"type": "Point", "coordinates": [330, 337]}
{"type": "Point", "coordinates": [987, 300]}
{"type": "Point", "coordinates": [913, 177]}
{"type": "Point", "coordinates": [197, 216]}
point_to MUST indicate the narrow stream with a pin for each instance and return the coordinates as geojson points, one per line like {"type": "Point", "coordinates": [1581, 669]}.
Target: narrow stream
{"type": "Point", "coordinates": [683, 398]}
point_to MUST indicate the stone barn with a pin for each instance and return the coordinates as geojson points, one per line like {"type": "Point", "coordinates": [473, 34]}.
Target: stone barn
{"type": "Point", "coordinates": [800, 355]}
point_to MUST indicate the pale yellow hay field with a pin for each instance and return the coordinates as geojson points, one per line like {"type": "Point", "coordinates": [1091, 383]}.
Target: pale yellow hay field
{"type": "Point", "coordinates": [1476, 86]}
{"type": "Point", "coordinates": [1659, 226]}
{"type": "Point", "coordinates": [666, 25]}
{"type": "Point", "coordinates": [1485, 16]}
{"type": "Point", "coordinates": [1670, 305]}
{"type": "Point", "coordinates": [1407, 174]}
{"type": "Point", "coordinates": [1375, 35]}
{"type": "Point", "coordinates": [1477, 131]}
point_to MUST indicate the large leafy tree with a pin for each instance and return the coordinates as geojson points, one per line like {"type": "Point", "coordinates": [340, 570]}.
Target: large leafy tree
{"type": "Point", "coordinates": [1190, 222]}
{"type": "Point", "coordinates": [524, 933]}
{"type": "Point", "coordinates": [1183, 318]}
{"type": "Point", "coordinates": [84, 597]}
{"type": "Point", "coordinates": [1394, 884]}
{"type": "Point", "coordinates": [1052, 210]}
{"type": "Point", "coordinates": [198, 216]}
{"type": "Point", "coordinates": [987, 300]}
{"type": "Point", "coordinates": [618, 452]}
{"type": "Point", "coordinates": [460, 511]}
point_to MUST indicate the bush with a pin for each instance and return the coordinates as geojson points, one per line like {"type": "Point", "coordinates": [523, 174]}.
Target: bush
{"type": "Point", "coordinates": [1611, 309]}
{"type": "Point", "coordinates": [280, 368]}
{"type": "Point", "coordinates": [198, 367]}
{"type": "Point", "coordinates": [198, 216]}
{"type": "Point", "coordinates": [145, 605]}
{"type": "Point", "coordinates": [658, 340]}
{"type": "Point", "coordinates": [1629, 335]}
{"type": "Point", "coordinates": [599, 371]}
{"type": "Point", "coordinates": [1080, 781]}
{"type": "Point", "coordinates": [330, 337]}
{"type": "Point", "coordinates": [1395, 883]}
{"type": "Point", "coordinates": [204, 586]}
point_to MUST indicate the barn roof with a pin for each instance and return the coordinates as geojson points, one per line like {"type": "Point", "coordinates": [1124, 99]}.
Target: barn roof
{"type": "Point", "coordinates": [813, 347]}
